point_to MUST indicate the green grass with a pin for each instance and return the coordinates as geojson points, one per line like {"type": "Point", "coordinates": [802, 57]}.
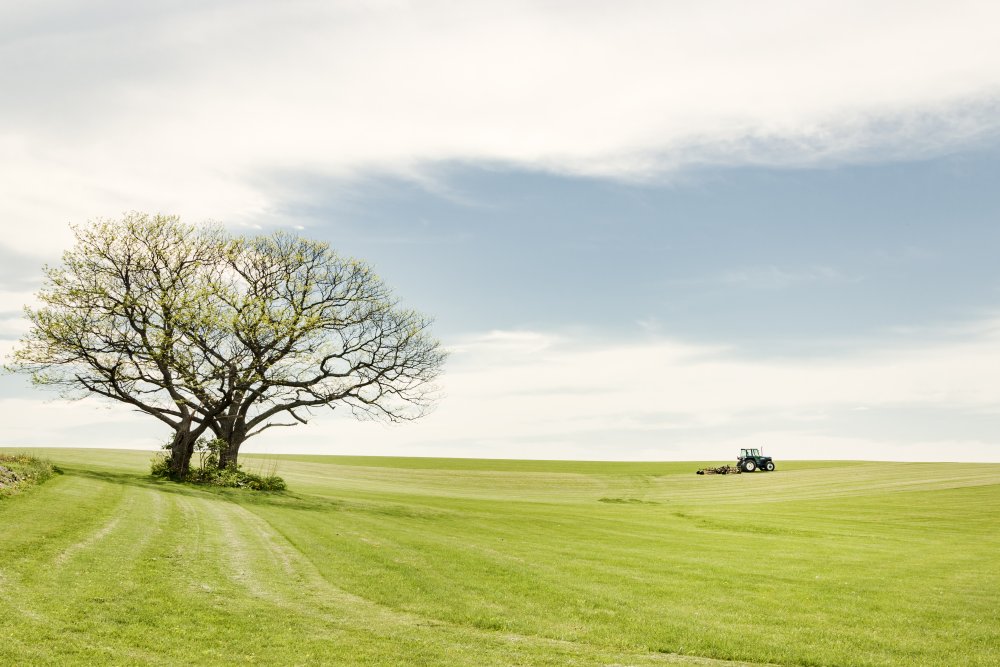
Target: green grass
{"type": "Point", "coordinates": [477, 562]}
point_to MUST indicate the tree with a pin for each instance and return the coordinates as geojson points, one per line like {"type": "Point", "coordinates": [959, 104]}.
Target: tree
{"type": "Point", "coordinates": [308, 329]}
{"type": "Point", "coordinates": [113, 318]}
{"type": "Point", "coordinates": [207, 332]}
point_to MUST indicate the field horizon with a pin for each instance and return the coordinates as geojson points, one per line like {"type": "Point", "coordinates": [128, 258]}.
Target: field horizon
{"type": "Point", "coordinates": [39, 450]}
{"type": "Point", "coordinates": [420, 560]}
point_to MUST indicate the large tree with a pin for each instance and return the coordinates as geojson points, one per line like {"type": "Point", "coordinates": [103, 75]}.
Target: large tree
{"type": "Point", "coordinates": [113, 317]}
{"type": "Point", "coordinates": [210, 333]}
{"type": "Point", "coordinates": [307, 329]}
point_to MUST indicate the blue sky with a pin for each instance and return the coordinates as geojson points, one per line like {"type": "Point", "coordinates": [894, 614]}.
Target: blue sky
{"type": "Point", "coordinates": [780, 260]}
{"type": "Point", "coordinates": [656, 233]}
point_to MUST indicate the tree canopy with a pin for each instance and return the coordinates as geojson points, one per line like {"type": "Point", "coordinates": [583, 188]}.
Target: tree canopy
{"type": "Point", "coordinates": [213, 333]}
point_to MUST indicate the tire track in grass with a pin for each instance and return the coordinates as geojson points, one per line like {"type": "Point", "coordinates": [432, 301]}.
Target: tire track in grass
{"type": "Point", "coordinates": [118, 513]}
{"type": "Point", "coordinates": [193, 520]}
{"type": "Point", "coordinates": [243, 569]}
{"type": "Point", "coordinates": [38, 526]}
{"type": "Point", "coordinates": [72, 623]}
{"type": "Point", "coordinates": [151, 513]}
{"type": "Point", "coordinates": [69, 598]}
{"type": "Point", "coordinates": [71, 491]}
{"type": "Point", "coordinates": [259, 559]}
{"type": "Point", "coordinates": [261, 553]}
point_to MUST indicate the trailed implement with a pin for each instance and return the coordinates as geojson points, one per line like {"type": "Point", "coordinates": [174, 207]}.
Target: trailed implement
{"type": "Point", "coordinates": [749, 460]}
{"type": "Point", "coordinates": [721, 470]}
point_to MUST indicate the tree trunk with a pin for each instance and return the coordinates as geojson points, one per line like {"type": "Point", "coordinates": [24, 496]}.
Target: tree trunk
{"type": "Point", "coordinates": [181, 450]}
{"type": "Point", "coordinates": [230, 453]}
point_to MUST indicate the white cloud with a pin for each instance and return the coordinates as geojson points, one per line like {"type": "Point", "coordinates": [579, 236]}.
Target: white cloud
{"type": "Point", "coordinates": [536, 395]}
{"type": "Point", "coordinates": [49, 422]}
{"type": "Point", "coordinates": [188, 109]}
{"type": "Point", "coordinates": [528, 393]}
{"type": "Point", "coordinates": [773, 277]}
{"type": "Point", "coordinates": [540, 395]}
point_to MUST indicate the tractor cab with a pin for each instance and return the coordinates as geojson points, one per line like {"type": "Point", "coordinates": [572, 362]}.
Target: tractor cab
{"type": "Point", "coordinates": [751, 460]}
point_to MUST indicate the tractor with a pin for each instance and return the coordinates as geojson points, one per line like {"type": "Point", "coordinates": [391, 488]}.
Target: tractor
{"type": "Point", "coordinates": [750, 460]}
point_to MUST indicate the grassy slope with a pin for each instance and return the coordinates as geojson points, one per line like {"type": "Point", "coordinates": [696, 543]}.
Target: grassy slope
{"type": "Point", "coordinates": [419, 561]}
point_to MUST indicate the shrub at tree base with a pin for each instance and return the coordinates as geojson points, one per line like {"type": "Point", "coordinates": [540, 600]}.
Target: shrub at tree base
{"type": "Point", "coordinates": [235, 476]}
{"type": "Point", "coordinates": [209, 472]}
{"type": "Point", "coordinates": [20, 471]}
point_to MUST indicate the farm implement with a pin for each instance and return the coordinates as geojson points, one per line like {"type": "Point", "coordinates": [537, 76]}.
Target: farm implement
{"type": "Point", "coordinates": [749, 460]}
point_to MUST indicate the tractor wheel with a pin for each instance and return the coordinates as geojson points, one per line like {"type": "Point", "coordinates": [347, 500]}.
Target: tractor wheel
{"type": "Point", "coordinates": [769, 466]}
{"type": "Point", "coordinates": [749, 466]}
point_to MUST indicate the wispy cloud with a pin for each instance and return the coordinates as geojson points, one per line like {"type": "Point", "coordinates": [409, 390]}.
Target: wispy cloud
{"type": "Point", "coordinates": [774, 277]}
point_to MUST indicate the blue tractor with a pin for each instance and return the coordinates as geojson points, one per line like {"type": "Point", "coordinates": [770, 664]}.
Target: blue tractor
{"type": "Point", "coordinates": [750, 460]}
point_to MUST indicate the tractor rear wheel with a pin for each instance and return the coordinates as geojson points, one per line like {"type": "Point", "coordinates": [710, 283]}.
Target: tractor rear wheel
{"type": "Point", "coordinates": [749, 466]}
{"type": "Point", "coordinates": [769, 466]}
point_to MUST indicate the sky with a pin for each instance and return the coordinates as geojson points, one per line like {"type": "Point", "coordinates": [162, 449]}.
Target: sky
{"type": "Point", "coordinates": [645, 230]}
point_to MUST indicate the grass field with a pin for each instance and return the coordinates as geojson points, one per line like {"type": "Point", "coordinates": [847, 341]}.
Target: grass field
{"type": "Point", "coordinates": [468, 562]}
